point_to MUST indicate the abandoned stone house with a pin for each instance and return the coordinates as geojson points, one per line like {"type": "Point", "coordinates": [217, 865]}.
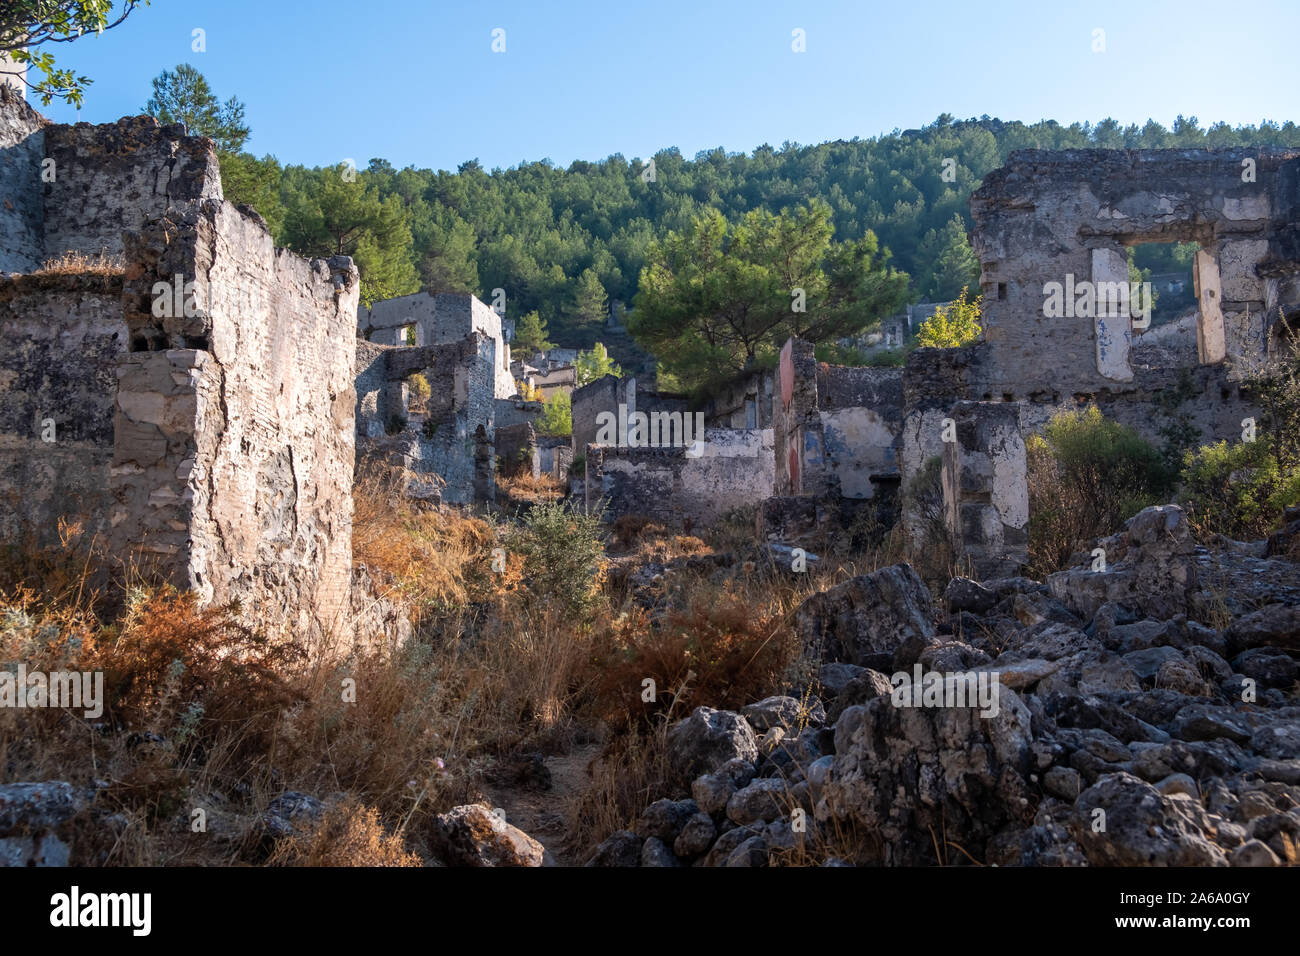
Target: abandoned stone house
{"type": "Point", "coordinates": [1067, 218]}
{"type": "Point", "coordinates": [802, 429]}
{"type": "Point", "coordinates": [188, 406]}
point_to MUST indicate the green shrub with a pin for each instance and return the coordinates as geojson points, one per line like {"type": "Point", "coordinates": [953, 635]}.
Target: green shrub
{"type": "Point", "coordinates": [1238, 490]}
{"type": "Point", "coordinates": [556, 419]}
{"type": "Point", "coordinates": [563, 551]}
{"type": "Point", "coordinates": [1088, 475]}
{"type": "Point", "coordinates": [953, 326]}
{"type": "Point", "coordinates": [1241, 489]}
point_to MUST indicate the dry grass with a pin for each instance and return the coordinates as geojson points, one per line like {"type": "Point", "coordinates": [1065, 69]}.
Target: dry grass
{"type": "Point", "coordinates": [524, 487]}
{"type": "Point", "coordinates": [79, 263]}
{"type": "Point", "coordinates": [428, 559]}
{"type": "Point", "coordinates": [347, 835]}
{"type": "Point", "coordinates": [202, 712]}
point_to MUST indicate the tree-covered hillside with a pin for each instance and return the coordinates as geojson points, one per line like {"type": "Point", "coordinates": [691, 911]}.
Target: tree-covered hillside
{"type": "Point", "coordinates": [547, 235]}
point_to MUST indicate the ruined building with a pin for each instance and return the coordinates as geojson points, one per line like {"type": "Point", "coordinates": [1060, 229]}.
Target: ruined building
{"type": "Point", "coordinates": [190, 407]}
{"type": "Point", "coordinates": [804, 429]}
{"type": "Point", "coordinates": [1063, 220]}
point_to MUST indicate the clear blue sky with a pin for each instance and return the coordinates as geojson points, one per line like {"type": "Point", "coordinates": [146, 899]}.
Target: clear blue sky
{"type": "Point", "coordinates": [416, 81]}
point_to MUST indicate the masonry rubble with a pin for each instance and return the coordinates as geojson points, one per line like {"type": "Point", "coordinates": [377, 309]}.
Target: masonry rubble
{"type": "Point", "coordinates": [1135, 724]}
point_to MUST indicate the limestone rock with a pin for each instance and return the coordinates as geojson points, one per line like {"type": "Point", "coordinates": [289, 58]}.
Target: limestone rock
{"type": "Point", "coordinates": [472, 835]}
{"type": "Point", "coordinates": [708, 739]}
{"type": "Point", "coordinates": [1141, 826]}
{"type": "Point", "coordinates": [867, 619]}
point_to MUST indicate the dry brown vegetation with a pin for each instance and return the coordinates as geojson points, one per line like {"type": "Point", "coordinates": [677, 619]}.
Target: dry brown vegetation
{"type": "Point", "coordinates": [79, 263]}
{"type": "Point", "coordinates": [202, 712]}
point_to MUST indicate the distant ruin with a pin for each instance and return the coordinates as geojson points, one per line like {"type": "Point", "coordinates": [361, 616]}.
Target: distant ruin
{"type": "Point", "coordinates": [1067, 218]}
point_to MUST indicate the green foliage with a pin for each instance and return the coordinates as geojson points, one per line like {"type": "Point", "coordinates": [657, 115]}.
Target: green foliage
{"type": "Point", "coordinates": [832, 353]}
{"type": "Point", "coordinates": [419, 385]}
{"type": "Point", "coordinates": [184, 96]}
{"type": "Point", "coordinates": [590, 304]}
{"type": "Point", "coordinates": [337, 211]}
{"type": "Point", "coordinates": [1088, 475]}
{"type": "Point", "coordinates": [954, 264]}
{"type": "Point", "coordinates": [28, 25]}
{"type": "Point", "coordinates": [556, 419]}
{"type": "Point", "coordinates": [1239, 490]}
{"type": "Point", "coordinates": [530, 335]}
{"type": "Point", "coordinates": [595, 364]}
{"type": "Point", "coordinates": [249, 181]}
{"type": "Point", "coordinates": [535, 229]}
{"type": "Point", "coordinates": [563, 555]}
{"type": "Point", "coordinates": [952, 326]}
{"type": "Point", "coordinates": [716, 298]}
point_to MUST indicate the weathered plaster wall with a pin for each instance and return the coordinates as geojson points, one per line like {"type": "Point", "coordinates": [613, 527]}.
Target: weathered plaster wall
{"type": "Point", "coordinates": [861, 412]}
{"type": "Point", "coordinates": [985, 488]}
{"type": "Point", "coordinates": [233, 462]}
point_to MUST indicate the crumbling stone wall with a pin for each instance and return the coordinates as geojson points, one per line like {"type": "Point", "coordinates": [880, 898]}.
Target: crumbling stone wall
{"type": "Point", "coordinates": [451, 440]}
{"type": "Point", "coordinates": [22, 211]}
{"type": "Point", "coordinates": [201, 404]}
{"type": "Point", "coordinates": [114, 178]}
{"type": "Point", "coordinates": [1049, 215]}
{"type": "Point", "coordinates": [606, 395]}
{"type": "Point", "coordinates": [60, 341]}
{"type": "Point", "coordinates": [733, 470]}
{"type": "Point", "coordinates": [1067, 218]}
{"type": "Point", "coordinates": [440, 319]}
{"type": "Point", "coordinates": [796, 425]}
{"type": "Point", "coordinates": [984, 488]}
{"type": "Point", "coordinates": [861, 412]}
{"type": "Point", "coordinates": [234, 427]}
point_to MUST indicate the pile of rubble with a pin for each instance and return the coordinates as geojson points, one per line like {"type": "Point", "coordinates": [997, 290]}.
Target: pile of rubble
{"type": "Point", "coordinates": [1143, 713]}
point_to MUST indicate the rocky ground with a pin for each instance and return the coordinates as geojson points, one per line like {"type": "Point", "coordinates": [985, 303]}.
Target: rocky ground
{"type": "Point", "coordinates": [1147, 715]}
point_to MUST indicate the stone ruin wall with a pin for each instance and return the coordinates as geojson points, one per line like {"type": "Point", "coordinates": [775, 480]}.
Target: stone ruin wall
{"type": "Point", "coordinates": [734, 470]}
{"type": "Point", "coordinates": [449, 447]}
{"type": "Point", "coordinates": [1047, 215]}
{"type": "Point", "coordinates": [61, 338]}
{"type": "Point", "coordinates": [443, 318]}
{"type": "Point", "coordinates": [861, 412]}
{"type": "Point", "coordinates": [211, 445]}
{"type": "Point", "coordinates": [241, 416]}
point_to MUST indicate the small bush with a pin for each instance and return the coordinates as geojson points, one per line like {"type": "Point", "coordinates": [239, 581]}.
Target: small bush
{"type": "Point", "coordinates": [1237, 490]}
{"type": "Point", "coordinates": [563, 555]}
{"type": "Point", "coordinates": [556, 419]}
{"type": "Point", "coordinates": [1087, 476]}
{"type": "Point", "coordinates": [952, 326]}
{"type": "Point", "coordinates": [348, 834]}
